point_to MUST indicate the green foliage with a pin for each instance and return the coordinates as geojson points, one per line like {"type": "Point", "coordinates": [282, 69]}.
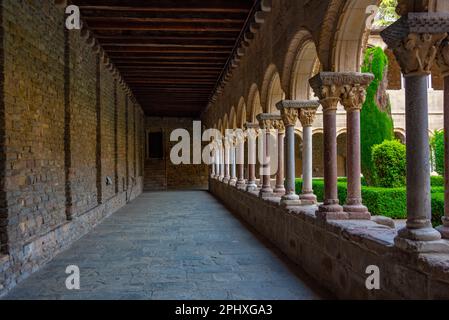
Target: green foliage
{"type": "Point", "coordinates": [437, 181]}
{"type": "Point", "coordinates": [389, 202]}
{"type": "Point", "coordinates": [437, 144]}
{"type": "Point", "coordinates": [387, 13]}
{"type": "Point", "coordinates": [389, 161]}
{"type": "Point", "coordinates": [375, 124]}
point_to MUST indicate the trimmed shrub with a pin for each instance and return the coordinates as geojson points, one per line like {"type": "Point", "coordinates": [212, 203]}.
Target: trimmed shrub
{"type": "Point", "coordinates": [437, 181]}
{"type": "Point", "coordinates": [437, 144]}
{"type": "Point", "coordinates": [437, 208]}
{"type": "Point", "coordinates": [376, 123]}
{"type": "Point", "coordinates": [389, 164]}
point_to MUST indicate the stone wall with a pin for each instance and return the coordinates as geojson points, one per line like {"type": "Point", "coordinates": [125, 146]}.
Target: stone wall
{"type": "Point", "coordinates": [337, 253]}
{"type": "Point", "coordinates": [66, 129]}
{"type": "Point", "coordinates": [164, 172]}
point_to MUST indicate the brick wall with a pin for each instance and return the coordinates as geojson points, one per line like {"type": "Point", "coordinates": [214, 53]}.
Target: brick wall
{"type": "Point", "coordinates": [66, 126]}
{"type": "Point", "coordinates": [172, 176]}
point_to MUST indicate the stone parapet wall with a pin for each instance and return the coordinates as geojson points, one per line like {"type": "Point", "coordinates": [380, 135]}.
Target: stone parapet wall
{"type": "Point", "coordinates": [337, 253]}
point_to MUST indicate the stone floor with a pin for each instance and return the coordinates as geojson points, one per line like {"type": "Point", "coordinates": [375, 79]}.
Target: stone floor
{"type": "Point", "coordinates": [171, 245]}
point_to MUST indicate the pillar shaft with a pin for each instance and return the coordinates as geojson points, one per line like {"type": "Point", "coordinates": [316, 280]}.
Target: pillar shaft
{"type": "Point", "coordinates": [280, 188]}
{"type": "Point", "coordinates": [307, 196]}
{"type": "Point", "coordinates": [290, 162]}
{"type": "Point", "coordinates": [266, 189]}
{"type": "Point", "coordinates": [241, 163]}
{"type": "Point", "coordinates": [233, 179]}
{"type": "Point", "coordinates": [444, 229]}
{"type": "Point", "coordinates": [227, 158]}
{"type": "Point", "coordinates": [419, 225]}
{"type": "Point", "coordinates": [252, 156]}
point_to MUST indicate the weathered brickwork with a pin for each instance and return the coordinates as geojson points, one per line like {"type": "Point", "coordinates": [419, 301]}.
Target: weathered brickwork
{"type": "Point", "coordinates": [83, 126]}
{"type": "Point", "coordinates": [64, 129]}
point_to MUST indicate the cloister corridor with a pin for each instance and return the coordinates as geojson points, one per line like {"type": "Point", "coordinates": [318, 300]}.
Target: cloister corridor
{"type": "Point", "coordinates": [157, 248]}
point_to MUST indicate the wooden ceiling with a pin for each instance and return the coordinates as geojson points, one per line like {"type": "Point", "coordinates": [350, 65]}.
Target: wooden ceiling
{"type": "Point", "coordinates": [170, 52]}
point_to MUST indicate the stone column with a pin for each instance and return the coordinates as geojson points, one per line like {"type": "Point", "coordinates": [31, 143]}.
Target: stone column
{"type": "Point", "coordinates": [327, 89]}
{"type": "Point", "coordinates": [352, 98]}
{"type": "Point", "coordinates": [251, 133]}
{"type": "Point", "coordinates": [233, 143]}
{"type": "Point", "coordinates": [414, 40]}
{"type": "Point", "coordinates": [227, 158]}
{"type": "Point", "coordinates": [280, 188]}
{"type": "Point", "coordinates": [222, 162]}
{"type": "Point", "coordinates": [266, 124]}
{"type": "Point", "coordinates": [307, 113]}
{"type": "Point", "coordinates": [241, 183]}
{"type": "Point", "coordinates": [289, 114]}
{"type": "Point", "coordinates": [214, 161]}
{"type": "Point", "coordinates": [443, 64]}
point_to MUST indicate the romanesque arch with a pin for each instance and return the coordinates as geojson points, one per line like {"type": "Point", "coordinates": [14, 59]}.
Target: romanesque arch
{"type": "Point", "coordinates": [241, 113]}
{"type": "Point", "coordinates": [272, 91]}
{"type": "Point", "coordinates": [301, 63]}
{"type": "Point", "coordinates": [351, 36]}
{"type": "Point", "coordinates": [232, 119]}
{"type": "Point", "coordinates": [255, 106]}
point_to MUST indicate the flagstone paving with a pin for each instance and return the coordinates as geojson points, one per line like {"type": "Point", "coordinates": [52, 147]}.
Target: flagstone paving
{"type": "Point", "coordinates": [170, 245]}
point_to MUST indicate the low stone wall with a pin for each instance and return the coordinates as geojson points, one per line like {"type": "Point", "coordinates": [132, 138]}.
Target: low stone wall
{"type": "Point", "coordinates": [337, 253]}
{"type": "Point", "coordinates": [21, 263]}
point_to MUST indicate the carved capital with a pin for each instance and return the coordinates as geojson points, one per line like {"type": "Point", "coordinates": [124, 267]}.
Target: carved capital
{"type": "Point", "coordinates": [443, 58]}
{"type": "Point", "coordinates": [353, 97]}
{"type": "Point", "coordinates": [279, 125]}
{"type": "Point", "coordinates": [307, 116]}
{"type": "Point", "coordinates": [415, 40]}
{"type": "Point", "coordinates": [289, 116]}
{"type": "Point", "coordinates": [267, 121]}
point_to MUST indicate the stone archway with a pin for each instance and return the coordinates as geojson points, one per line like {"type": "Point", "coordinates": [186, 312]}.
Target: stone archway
{"type": "Point", "coordinates": [306, 65]}
{"type": "Point", "coordinates": [351, 36]}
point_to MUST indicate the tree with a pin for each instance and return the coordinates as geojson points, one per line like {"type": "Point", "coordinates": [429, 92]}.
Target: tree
{"type": "Point", "coordinates": [375, 119]}
{"type": "Point", "coordinates": [387, 13]}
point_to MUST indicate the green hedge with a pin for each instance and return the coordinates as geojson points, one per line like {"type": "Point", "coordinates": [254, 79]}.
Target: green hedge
{"type": "Point", "coordinates": [389, 202]}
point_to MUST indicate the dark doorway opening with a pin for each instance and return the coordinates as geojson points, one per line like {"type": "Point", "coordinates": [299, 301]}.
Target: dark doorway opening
{"type": "Point", "coordinates": [155, 145]}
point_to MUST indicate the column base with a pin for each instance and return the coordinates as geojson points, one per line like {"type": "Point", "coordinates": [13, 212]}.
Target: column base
{"type": "Point", "coordinates": [233, 182]}
{"type": "Point", "coordinates": [413, 246]}
{"type": "Point", "coordinates": [357, 212]}
{"type": "Point", "coordinates": [266, 193]}
{"type": "Point", "coordinates": [308, 199]}
{"type": "Point", "coordinates": [290, 200]}
{"type": "Point", "coordinates": [444, 231]}
{"type": "Point", "coordinates": [241, 184]}
{"type": "Point", "coordinates": [332, 211]}
{"type": "Point", "coordinates": [226, 180]}
{"type": "Point", "coordinates": [419, 234]}
{"type": "Point", "coordinates": [251, 186]}
{"type": "Point", "coordinates": [220, 179]}
{"type": "Point", "coordinates": [279, 190]}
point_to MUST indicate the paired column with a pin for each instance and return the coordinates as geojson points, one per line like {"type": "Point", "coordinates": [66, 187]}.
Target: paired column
{"type": "Point", "coordinates": [443, 64]}
{"type": "Point", "coordinates": [289, 114]}
{"type": "Point", "coordinates": [240, 156]}
{"type": "Point", "coordinates": [307, 114]}
{"type": "Point", "coordinates": [252, 132]}
{"type": "Point", "coordinates": [278, 125]}
{"type": "Point", "coordinates": [414, 40]}
{"type": "Point", "coordinates": [352, 98]}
